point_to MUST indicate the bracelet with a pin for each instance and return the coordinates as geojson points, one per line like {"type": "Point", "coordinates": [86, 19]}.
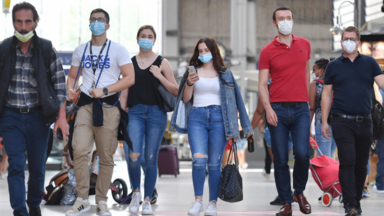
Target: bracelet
{"type": "Point", "coordinates": [189, 84]}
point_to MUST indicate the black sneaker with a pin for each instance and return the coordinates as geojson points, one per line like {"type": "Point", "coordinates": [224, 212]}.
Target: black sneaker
{"type": "Point", "coordinates": [277, 201]}
{"type": "Point", "coordinates": [350, 209]}
{"type": "Point", "coordinates": [154, 196]}
{"type": "Point", "coordinates": [34, 212]}
{"type": "Point", "coordinates": [358, 208]}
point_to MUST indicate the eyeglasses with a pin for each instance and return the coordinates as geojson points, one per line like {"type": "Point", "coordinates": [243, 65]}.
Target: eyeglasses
{"type": "Point", "coordinates": [100, 19]}
{"type": "Point", "coordinates": [352, 39]}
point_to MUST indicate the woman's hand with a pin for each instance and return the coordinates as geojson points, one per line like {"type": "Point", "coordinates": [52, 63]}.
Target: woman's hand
{"type": "Point", "coordinates": [156, 71]}
{"type": "Point", "coordinates": [192, 78]}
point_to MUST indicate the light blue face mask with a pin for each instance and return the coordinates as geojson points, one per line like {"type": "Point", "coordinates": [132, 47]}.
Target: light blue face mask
{"type": "Point", "coordinates": [145, 44]}
{"type": "Point", "coordinates": [206, 58]}
{"type": "Point", "coordinates": [97, 28]}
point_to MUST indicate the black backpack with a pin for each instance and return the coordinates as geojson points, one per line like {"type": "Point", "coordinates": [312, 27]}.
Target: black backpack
{"type": "Point", "coordinates": [46, 47]}
{"type": "Point", "coordinates": [377, 113]}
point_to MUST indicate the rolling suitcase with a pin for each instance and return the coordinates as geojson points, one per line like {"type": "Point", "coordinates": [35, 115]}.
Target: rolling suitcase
{"type": "Point", "coordinates": [168, 161]}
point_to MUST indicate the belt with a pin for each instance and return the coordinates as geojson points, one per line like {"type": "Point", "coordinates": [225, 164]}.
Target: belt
{"type": "Point", "coordinates": [26, 110]}
{"type": "Point", "coordinates": [290, 104]}
{"type": "Point", "coordinates": [357, 118]}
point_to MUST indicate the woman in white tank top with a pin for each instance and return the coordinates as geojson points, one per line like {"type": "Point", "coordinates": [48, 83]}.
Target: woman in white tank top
{"type": "Point", "coordinates": [211, 97]}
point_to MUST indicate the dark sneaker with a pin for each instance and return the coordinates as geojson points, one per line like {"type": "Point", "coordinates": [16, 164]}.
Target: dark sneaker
{"type": "Point", "coordinates": [350, 210]}
{"type": "Point", "coordinates": [358, 208]}
{"type": "Point", "coordinates": [277, 201]}
{"type": "Point", "coordinates": [154, 196]}
{"type": "Point", "coordinates": [34, 212]}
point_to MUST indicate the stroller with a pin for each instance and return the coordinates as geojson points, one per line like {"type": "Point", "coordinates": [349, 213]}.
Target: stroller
{"type": "Point", "coordinates": [118, 188]}
{"type": "Point", "coordinates": [325, 172]}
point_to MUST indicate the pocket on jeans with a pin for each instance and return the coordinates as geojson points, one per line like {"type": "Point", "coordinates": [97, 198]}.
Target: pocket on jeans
{"type": "Point", "coordinates": [275, 105]}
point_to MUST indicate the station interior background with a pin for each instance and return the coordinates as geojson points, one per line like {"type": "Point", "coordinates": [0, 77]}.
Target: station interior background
{"type": "Point", "coordinates": [241, 27]}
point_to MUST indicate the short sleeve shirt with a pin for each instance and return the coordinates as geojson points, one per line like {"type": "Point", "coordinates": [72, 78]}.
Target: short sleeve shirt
{"type": "Point", "coordinates": [287, 67]}
{"type": "Point", "coordinates": [117, 57]}
{"type": "Point", "coordinates": [352, 84]}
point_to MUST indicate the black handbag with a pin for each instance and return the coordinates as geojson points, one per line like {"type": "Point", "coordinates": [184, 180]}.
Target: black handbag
{"type": "Point", "coordinates": [377, 113]}
{"type": "Point", "coordinates": [169, 101]}
{"type": "Point", "coordinates": [54, 194]}
{"type": "Point", "coordinates": [231, 183]}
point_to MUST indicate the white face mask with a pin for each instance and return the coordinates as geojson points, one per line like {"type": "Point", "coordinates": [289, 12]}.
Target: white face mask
{"type": "Point", "coordinates": [285, 27]}
{"type": "Point", "coordinates": [314, 76]}
{"type": "Point", "coordinates": [349, 46]}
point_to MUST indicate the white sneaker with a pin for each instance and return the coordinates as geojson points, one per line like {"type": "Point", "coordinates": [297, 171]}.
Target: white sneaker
{"type": "Point", "coordinates": [135, 202]}
{"type": "Point", "coordinates": [244, 166]}
{"type": "Point", "coordinates": [211, 209]}
{"type": "Point", "coordinates": [3, 175]}
{"type": "Point", "coordinates": [102, 209]}
{"type": "Point", "coordinates": [266, 175]}
{"type": "Point", "coordinates": [78, 208]}
{"type": "Point", "coordinates": [196, 208]}
{"type": "Point", "coordinates": [377, 190]}
{"type": "Point", "coordinates": [147, 208]}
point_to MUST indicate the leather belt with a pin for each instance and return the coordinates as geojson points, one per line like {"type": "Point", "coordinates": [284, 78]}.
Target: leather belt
{"type": "Point", "coordinates": [289, 104]}
{"type": "Point", "coordinates": [357, 118]}
{"type": "Point", "coordinates": [26, 110]}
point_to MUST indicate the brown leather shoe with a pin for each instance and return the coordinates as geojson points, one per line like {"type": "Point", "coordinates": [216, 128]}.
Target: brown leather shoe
{"type": "Point", "coordinates": [286, 210]}
{"type": "Point", "coordinates": [305, 207]}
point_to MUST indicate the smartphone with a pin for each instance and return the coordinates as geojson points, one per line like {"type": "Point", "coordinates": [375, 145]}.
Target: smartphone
{"type": "Point", "coordinates": [251, 147]}
{"type": "Point", "coordinates": [192, 69]}
{"type": "Point", "coordinates": [59, 134]}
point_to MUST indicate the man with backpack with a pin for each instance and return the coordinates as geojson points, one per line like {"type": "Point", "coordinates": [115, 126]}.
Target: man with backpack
{"type": "Point", "coordinates": [351, 77]}
{"type": "Point", "coordinates": [32, 97]}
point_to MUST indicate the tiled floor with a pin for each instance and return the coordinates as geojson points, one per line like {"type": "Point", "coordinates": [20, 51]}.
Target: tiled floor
{"type": "Point", "coordinates": [176, 196]}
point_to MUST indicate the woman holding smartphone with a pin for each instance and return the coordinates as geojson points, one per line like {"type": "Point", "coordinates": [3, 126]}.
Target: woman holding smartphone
{"type": "Point", "coordinates": [211, 98]}
{"type": "Point", "coordinates": [147, 119]}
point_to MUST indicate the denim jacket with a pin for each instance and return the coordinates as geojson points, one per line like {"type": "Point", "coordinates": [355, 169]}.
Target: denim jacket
{"type": "Point", "coordinates": [231, 102]}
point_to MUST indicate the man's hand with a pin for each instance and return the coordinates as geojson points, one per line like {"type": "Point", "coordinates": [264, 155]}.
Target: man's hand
{"type": "Point", "coordinates": [72, 94]}
{"type": "Point", "coordinates": [62, 123]}
{"type": "Point", "coordinates": [325, 130]}
{"type": "Point", "coordinates": [272, 117]}
{"type": "Point", "coordinates": [97, 93]}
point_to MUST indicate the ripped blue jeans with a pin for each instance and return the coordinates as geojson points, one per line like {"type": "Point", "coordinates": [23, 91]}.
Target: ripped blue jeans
{"type": "Point", "coordinates": [207, 140]}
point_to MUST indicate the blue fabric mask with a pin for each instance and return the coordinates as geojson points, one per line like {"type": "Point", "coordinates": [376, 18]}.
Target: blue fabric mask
{"type": "Point", "coordinates": [145, 44]}
{"type": "Point", "coordinates": [97, 28]}
{"type": "Point", "coordinates": [206, 58]}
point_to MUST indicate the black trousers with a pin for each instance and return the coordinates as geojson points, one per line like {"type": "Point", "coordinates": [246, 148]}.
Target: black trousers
{"type": "Point", "coordinates": [268, 159]}
{"type": "Point", "coordinates": [353, 140]}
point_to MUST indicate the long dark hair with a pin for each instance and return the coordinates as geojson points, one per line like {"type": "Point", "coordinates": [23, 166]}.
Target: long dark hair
{"type": "Point", "coordinates": [218, 62]}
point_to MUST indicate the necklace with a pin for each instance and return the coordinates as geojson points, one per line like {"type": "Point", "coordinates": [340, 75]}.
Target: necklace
{"type": "Point", "coordinates": [144, 61]}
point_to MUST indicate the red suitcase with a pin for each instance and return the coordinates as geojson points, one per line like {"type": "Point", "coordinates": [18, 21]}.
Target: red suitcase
{"type": "Point", "coordinates": [168, 161]}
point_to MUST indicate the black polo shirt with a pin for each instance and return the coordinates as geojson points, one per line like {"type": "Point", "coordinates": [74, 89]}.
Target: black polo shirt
{"type": "Point", "coordinates": [352, 84]}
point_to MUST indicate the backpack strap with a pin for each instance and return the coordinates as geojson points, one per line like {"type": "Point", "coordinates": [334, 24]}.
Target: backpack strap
{"type": "Point", "coordinates": [158, 61]}
{"type": "Point", "coordinates": [5, 46]}
{"type": "Point", "coordinates": [46, 47]}
{"type": "Point", "coordinates": [320, 81]}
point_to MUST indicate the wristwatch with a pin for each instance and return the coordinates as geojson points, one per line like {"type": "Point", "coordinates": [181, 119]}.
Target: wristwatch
{"type": "Point", "coordinates": [105, 90]}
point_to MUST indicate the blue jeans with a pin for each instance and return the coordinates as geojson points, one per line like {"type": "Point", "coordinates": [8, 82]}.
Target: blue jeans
{"type": "Point", "coordinates": [326, 146]}
{"type": "Point", "coordinates": [380, 165]}
{"type": "Point", "coordinates": [142, 161]}
{"type": "Point", "coordinates": [146, 127]}
{"type": "Point", "coordinates": [295, 120]}
{"type": "Point", "coordinates": [207, 140]}
{"type": "Point", "coordinates": [268, 139]}
{"type": "Point", "coordinates": [25, 132]}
